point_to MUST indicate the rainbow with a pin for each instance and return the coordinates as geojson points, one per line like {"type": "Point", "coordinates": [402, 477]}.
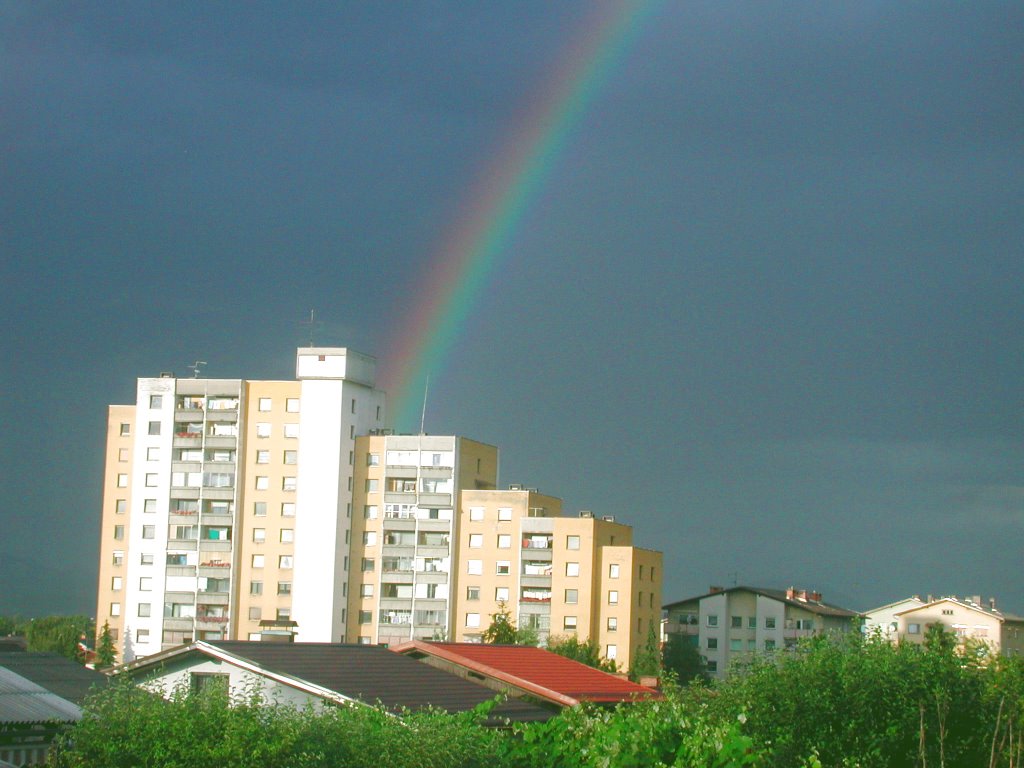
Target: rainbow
{"type": "Point", "coordinates": [498, 201]}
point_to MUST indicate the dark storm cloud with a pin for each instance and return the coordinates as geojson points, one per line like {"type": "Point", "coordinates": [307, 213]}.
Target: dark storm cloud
{"type": "Point", "coordinates": [766, 307]}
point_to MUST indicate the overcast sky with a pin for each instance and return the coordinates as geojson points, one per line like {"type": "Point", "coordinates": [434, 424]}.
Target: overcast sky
{"type": "Point", "coordinates": [767, 307]}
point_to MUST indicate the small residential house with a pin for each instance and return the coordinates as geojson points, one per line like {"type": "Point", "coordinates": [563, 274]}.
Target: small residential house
{"type": "Point", "coordinates": [729, 625]}
{"type": "Point", "coordinates": [883, 619]}
{"type": "Point", "coordinates": [320, 674]}
{"type": "Point", "coordinates": [968, 618]}
{"type": "Point", "coordinates": [528, 673]}
{"type": "Point", "coordinates": [40, 695]}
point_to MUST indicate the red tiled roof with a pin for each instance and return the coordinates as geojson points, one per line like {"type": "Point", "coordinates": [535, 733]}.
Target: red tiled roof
{"type": "Point", "coordinates": [535, 670]}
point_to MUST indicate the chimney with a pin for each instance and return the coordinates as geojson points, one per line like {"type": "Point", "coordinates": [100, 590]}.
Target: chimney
{"type": "Point", "coordinates": [992, 603]}
{"type": "Point", "coordinates": [790, 593]}
{"type": "Point", "coordinates": [816, 597]}
{"type": "Point", "coordinates": [930, 599]}
{"type": "Point", "coordinates": [976, 599]}
{"type": "Point", "coordinates": [714, 590]}
{"type": "Point", "coordinates": [802, 595]}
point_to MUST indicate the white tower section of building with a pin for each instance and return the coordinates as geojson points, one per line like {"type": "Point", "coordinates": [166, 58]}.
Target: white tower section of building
{"type": "Point", "coordinates": [338, 402]}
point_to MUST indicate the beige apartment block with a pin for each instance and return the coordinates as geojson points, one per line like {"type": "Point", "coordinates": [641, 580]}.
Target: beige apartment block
{"type": "Point", "coordinates": [405, 500]}
{"type": "Point", "coordinates": [117, 483]}
{"type": "Point", "coordinates": [222, 495]}
{"type": "Point", "coordinates": [969, 619]}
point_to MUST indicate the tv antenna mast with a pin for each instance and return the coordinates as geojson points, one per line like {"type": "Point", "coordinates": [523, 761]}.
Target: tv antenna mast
{"type": "Point", "coordinates": [312, 326]}
{"type": "Point", "coordinates": [195, 368]}
{"type": "Point", "coordinates": [423, 413]}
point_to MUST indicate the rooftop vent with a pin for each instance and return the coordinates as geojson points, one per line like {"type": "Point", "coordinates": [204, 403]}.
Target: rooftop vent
{"type": "Point", "coordinates": [586, 513]}
{"type": "Point", "coordinates": [515, 486]}
{"type": "Point", "coordinates": [166, 374]}
{"type": "Point", "coordinates": [609, 518]}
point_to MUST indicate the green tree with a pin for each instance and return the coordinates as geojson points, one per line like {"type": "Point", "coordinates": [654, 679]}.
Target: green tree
{"type": "Point", "coordinates": [586, 653]}
{"type": "Point", "coordinates": [106, 651]}
{"type": "Point", "coordinates": [59, 634]}
{"type": "Point", "coordinates": [681, 657]}
{"type": "Point", "coordinates": [501, 631]}
{"type": "Point", "coordinates": [648, 658]}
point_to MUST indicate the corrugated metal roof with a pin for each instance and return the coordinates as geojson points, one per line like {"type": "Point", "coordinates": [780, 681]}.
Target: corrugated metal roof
{"type": "Point", "coordinates": [22, 701]}
{"type": "Point", "coordinates": [55, 673]}
{"type": "Point", "coordinates": [545, 669]}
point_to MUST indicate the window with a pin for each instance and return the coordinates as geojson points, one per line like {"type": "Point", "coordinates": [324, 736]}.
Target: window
{"type": "Point", "coordinates": [613, 597]}
{"type": "Point", "coordinates": [572, 596]}
{"type": "Point", "coordinates": [265, 404]}
{"type": "Point", "coordinates": [372, 485]}
{"type": "Point", "coordinates": [259, 535]}
{"type": "Point", "coordinates": [504, 541]}
{"type": "Point", "coordinates": [475, 567]}
{"type": "Point", "coordinates": [116, 583]}
{"type": "Point", "coordinates": [769, 645]}
{"type": "Point", "coordinates": [913, 629]}
{"type": "Point", "coordinates": [472, 593]}
{"type": "Point", "coordinates": [370, 511]}
{"type": "Point", "coordinates": [153, 454]}
{"type": "Point", "coordinates": [262, 482]}
{"type": "Point", "coordinates": [146, 584]}
{"type": "Point", "coordinates": [121, 506]}
{"type": "Point", "coordinates": [805, 623]}
{"type": "Point", "coordinates": [258, 561]}
{"type": "Point", "coordinates": [472, 619]}
{"type": "Point", "coordinates": [262, 429]}
{"type": "Point", "coordinates": [126, 430]}
{"type": "Point", "coordinates": [291, 405]}
{"type": "Point", "coordinates": [288, 509]}
{"type": "Point", "coordinates": [291, 430]}
{"type": "Point", "coordinates": [752, 622]}
{"type": "Point", "coordinates": [142, 636]}
{"type": "Point", "coordinates": [737, 622]}
{"type": "Point", "coordinates": [769, 622]}
{"type": "Point", "coordinates": [291, 457]}
{"type": "Point", "coordinates": [501, 594]}
{"type": "Point", "coordinates": [569, 622]}
{"type": "Point", "coordinates": [711, 666]}
{"type": "Point", "coordinates": [156, 401]}
{"type": "Point", "coordinates": [149, 506]}
{"type": "Point", "coordinates": [613, 624]}
{"type": "Point", "coordinates": [504, 514]}
{"type": "Point", "coordinates": [144, 609]}
{"type": "Point", "coordinates": [366, 617]}
{"type": "Point", "coordinates": [503, 568]}
{"type": "Point", "coordinates": [476, 540]}
{"type": "Point", "coordinates": [611, 651]}
{"type": "Point", "coordinates": [122, 480]}
{"type": "Point", "coordinates": [613, 571]}
{"type": "Point", "coordinates": [154, 427]}
{"type": "Point", "coordinates": [122, 454]}
{"type": "Point", "coordinates": [712, 643]}
{"type": "Point", "coordinates": [287, 535]}
{"type": "Point", "coordinates": [259, 509]}
{"type": "Point", "coordinates": [146, 558]}
{"type": "Point", "coordinates": [289, 483]}
{"type": "Point", "coordinates": [115, 609]}
{"type": "Point", "coordinates": [118, 557]}
{"type": "Point", "coordinates": [149, 531]}
{"type": "Point", "coordinates": [370, 538]}
{"type": "Point", "coordinates": [255, 613]}
{"type": "Point", "coordinates": [262, 457]}
{"type": "Point", "coordinates": [152, 479]}
{"type": "Point", "coordinates": [736, 645]}
{"type": "Point", "coordinates": [572, 569]}
{"type": "Point", "coordinates": [119, 532]}
{"type": "Point", "coordinates": [572, 542]}
{"type": "Point", "coordinates": [207, 681]}
{"type": "Point", "coordinates": [255, 587]}
{"type": "Point", "coordinates": [368, 564]}
{"type": "Point", "coordinates": [373, 459]}
{"type": "Point", "coordinates": [284, 587]}
{"type": "Point", "coordinates": [712, 620]}
{"type": "Point", "coordinates": [476, 514]}
{"type": "Point", "coordinates": [284, 562]}
{"type": "Point", "coordinates": [947, 611]}
{"type": "Point", "coordinates": [366, 590]}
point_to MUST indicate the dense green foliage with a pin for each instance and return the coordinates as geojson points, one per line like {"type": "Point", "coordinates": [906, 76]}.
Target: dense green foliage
{"type": "Point", "coordinates": [681, 658]}
{"type": "Point", "coordinates": [586, 652]}
{"type": "Point", "coordinates": [648, 660]}
{"type": "Point", "coordinates": [835, 702]}
{"type": "Point", "coordinates": [106, 651]}
{"type": "Point", "coordinates": [59, 634]}
{"type": "Point", "coordinates": [502, 630]}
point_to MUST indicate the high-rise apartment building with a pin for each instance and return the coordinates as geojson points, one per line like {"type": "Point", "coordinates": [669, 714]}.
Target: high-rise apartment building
{"type": "Point", "coordinates": [438, 550]}
{"type": "Point", "coordinates": [238, 507]}
{"type": "Point", "coordinates": [226, 502]}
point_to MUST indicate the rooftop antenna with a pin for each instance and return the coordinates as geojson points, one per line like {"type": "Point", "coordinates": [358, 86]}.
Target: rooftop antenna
{"type": "Point", "coordinates": [195, 368]}
{"type": "Point", "coordinates": [312, 326]}
{"type": "Point", "coordinates": [423, 414]}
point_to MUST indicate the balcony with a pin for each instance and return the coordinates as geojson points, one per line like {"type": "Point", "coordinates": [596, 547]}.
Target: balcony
{"type": "Point", "coordinates": [537, 542]}
{"type": "Point", "coordinates": [181, 570]}
{"type": "Point", "coordinates": [179, 623]}
{"type": "Point", "coordinates": [213, 546]}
